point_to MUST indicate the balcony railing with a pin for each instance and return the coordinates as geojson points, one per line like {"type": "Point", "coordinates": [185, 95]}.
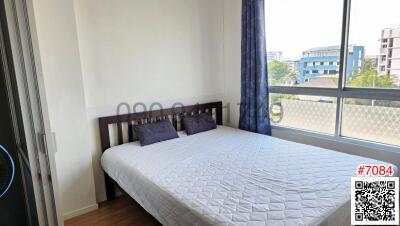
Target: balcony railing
{"type": "Point", "coordinates": [374, 123]}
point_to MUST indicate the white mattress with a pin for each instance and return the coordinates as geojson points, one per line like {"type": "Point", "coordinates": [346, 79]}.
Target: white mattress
{"type": "Point", "coordinates": [232, 177]}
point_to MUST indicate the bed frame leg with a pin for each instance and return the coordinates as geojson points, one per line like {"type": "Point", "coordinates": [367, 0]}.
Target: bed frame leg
{"type": "Point", "coordinates": [110, 192]}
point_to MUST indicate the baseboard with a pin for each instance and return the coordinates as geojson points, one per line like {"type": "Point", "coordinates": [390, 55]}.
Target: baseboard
{"type": "Point", "coordinates": [81, 211]}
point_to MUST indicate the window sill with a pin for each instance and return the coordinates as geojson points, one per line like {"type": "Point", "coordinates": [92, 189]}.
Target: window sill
{"type": "Point", "coordinates": [387, 153]}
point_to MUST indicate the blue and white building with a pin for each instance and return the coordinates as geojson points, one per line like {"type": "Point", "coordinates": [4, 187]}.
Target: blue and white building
{"type": "Point", "coordinates": [324, 62]}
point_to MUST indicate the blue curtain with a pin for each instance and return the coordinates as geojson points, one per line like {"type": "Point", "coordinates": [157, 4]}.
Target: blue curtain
{"type": "Point", "coordinates": [254, 113]}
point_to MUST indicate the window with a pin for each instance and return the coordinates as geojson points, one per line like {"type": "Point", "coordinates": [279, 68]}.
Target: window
{"type": "Point", "coordinates": [318, 112]}
{"type": "Point", "coordinates": [314, 49]}
{"type": "Point", "coordinates": [390, 53]}
{"type": "Point", "coordinates": [348, 83]}
{"type": "Point", "coordinates": [333, 72]}
{"type": "Point", "coordinates": [372, 120]}
{"type": "Point", "coordinates": [370, 33]}
{"type": "Point", "coordinates": [391, 42]}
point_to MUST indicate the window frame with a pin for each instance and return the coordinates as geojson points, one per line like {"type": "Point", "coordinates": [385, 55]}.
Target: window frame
{"type": "Point", "coordinates": [341, 92]}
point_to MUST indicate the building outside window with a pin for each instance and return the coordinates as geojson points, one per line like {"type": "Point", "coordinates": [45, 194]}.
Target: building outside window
{"type": "Point", "coordinates": [271, 56]}
{"type": "Point", "coordinates": [391, 53]}
{"type": "Point", "coordinates": [317, 56]}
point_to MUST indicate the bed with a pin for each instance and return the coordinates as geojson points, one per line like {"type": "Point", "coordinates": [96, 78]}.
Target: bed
{"type": "Point", "coordinates": [227, 176]}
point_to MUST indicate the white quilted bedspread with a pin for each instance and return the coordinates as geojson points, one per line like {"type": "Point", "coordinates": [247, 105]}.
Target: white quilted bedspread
{"type": "Point", "coordinates": [231, 177]}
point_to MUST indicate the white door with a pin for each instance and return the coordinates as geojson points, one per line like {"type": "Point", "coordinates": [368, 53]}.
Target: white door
{"type": "Point", "coordinates": [40, 139]}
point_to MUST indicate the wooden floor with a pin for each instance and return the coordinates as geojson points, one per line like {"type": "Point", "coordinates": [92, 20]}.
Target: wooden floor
{"type": "Point", "coordinates": [120, 212]}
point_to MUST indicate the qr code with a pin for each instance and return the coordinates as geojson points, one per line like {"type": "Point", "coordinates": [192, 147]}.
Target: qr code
{"type": "Point", "coordinates": [374, 201]}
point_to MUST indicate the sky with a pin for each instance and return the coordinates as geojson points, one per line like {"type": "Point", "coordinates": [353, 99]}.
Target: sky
{"type": "Point", "coordinates": [293, 26]}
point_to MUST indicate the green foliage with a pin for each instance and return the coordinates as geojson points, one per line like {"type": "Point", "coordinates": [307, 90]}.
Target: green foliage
{"type": "Point", "coordinates": [369, 78]}
{"type": "Point", "coordinates": [279, 73]}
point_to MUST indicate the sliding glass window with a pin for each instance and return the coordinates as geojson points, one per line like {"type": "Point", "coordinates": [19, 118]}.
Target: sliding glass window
{"type": "Point", "coordinates": [334, 67]}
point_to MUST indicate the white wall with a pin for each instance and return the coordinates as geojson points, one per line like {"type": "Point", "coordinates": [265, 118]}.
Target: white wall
{"type": "Point", "coordinates": [145, 51]}
{"type": "Point", "coordinates": [232, 58]}
{"type": "Point", "coordinates": [58, 46]}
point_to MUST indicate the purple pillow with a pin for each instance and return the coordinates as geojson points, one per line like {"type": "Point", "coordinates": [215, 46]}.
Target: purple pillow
{"type": "Point", "coordinates": [155, 132]}
{"type": "Point", "coordinates": [198, 123]}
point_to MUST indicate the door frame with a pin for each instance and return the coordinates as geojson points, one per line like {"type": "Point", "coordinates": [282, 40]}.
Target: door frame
{"type": "Point", "coordinates": [31, 94]}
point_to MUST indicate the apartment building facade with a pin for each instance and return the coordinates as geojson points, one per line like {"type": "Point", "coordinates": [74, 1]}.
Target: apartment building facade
{"type": "Point", "coordinates": [324, 62]}
{"type": "Point", "coordinates": [389, 56]}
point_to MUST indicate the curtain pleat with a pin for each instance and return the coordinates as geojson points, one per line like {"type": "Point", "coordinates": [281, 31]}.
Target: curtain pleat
{"type": "Point", "coordinates": [254, 113]}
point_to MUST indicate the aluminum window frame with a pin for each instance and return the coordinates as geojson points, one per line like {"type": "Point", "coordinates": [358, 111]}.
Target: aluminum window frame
{"type": "Point", "coordinates": [341, 91]}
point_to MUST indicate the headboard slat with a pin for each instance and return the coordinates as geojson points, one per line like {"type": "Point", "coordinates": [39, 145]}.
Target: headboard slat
{"type": "Point", "coordinates": [120, 134]}
{"type": "Point", "coordinates": [175, 121]}
{"type": "Point", "coordinates": [130, 131]}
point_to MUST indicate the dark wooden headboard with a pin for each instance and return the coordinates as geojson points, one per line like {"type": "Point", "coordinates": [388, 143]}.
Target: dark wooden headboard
{"type": "Point", "coordinates": [124, 126]}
